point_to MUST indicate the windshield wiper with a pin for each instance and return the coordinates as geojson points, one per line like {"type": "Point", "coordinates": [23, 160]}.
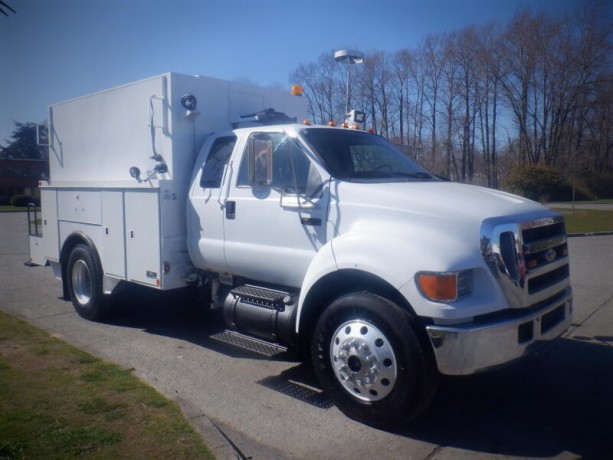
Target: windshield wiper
{"type": "Point", "coordinates": [365, 175]}
{"type": "Point", "coordinates": [414, 175]}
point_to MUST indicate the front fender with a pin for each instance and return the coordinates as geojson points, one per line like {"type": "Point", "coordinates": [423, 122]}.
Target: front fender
{"type": "Point", "coordinates": [322, 264]}
{"type": "Point", "coordinates": [395, 254]}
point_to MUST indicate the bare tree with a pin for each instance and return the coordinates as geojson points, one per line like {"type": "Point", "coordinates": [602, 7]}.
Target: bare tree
{"type": "Point", "coordinates": [489, 74]}
{"type": "Point", "coordinates": [367, 90]}
{"type": "Point", "coordinates": [542, 83]}
{"type": "Point", "coordinates": [432, 61]}
{"type": "Point", "coordinates": [321, 82]}
{"type": "Point", "coordinates": [551, 64]}
{"type": "Point", "coordinates": [383, 90]}
{"type": "Point", "coordinates": [402, 62]}
{"type": "Point", "coordinates": [450, 99]}
{"type": "Point", "coordinates": [519, 61]}
{"type": "Point", "coordinates": [5, 8]}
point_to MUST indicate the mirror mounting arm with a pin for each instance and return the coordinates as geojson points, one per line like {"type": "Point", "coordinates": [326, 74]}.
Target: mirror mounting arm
{"type": "Point", "coordinates": [160, 168]}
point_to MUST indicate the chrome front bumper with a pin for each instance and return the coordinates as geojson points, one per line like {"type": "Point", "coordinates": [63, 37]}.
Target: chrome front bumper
{"type": "Point", "coordinates": [466, 350]}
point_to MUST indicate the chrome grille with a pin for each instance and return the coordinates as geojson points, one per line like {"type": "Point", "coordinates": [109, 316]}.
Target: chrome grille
{"type": "Point", "coordinates": [529, 258]}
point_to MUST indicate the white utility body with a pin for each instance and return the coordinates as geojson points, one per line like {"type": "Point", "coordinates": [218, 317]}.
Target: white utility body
{"type": "Point", "coordinates": [321, 238]}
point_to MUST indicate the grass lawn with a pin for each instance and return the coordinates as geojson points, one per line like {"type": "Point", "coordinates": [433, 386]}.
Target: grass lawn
{"type": "Point", "coordinates": [59, 402]}
{"type": "Point", "coordinates": [587, 221]}
{"type": "Point", "coordinates": [9, 207]}
{"type": "Point", "coordinates": [608, 201]}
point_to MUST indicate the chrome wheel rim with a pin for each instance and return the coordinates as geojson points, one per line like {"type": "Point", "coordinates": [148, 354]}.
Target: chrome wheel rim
{"type": "Point", "coordinates": [81, 282]}
{"type": "Point", "coordinates": [363, 360]}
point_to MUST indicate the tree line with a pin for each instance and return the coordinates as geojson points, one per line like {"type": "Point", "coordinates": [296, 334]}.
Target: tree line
{"type": "Point", "coordinates": [478, 103]}
{"type": "Point", "coordinates": [24, 144]}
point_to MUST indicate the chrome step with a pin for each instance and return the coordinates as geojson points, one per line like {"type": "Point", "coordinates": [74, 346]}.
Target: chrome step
{"type": "Point", "coordinates": [247, 343]}
{"type": "Point", "coordinates": [262, 297]}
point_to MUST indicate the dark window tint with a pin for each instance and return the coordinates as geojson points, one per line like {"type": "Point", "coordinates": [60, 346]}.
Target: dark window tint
{"type": "Point", "coordinates": [359, 156]}
{"type": "Point", "coordinates": [216, 160]}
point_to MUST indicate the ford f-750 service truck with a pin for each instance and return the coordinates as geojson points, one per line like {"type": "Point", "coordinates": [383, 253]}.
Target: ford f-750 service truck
{"type": "Point", "coordinates": [326, 239]}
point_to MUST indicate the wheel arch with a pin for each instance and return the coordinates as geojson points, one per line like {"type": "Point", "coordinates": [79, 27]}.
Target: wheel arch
{"type": "Point", "coordinates": [71, 241]}
{"type": "Point", "coordinates": [335, 284]}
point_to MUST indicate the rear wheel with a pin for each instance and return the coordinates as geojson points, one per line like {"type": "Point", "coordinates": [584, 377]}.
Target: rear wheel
{"type": "Point", "coordinates": [370, 361]}
{"type": "Point", "coordinates": [84, 280]}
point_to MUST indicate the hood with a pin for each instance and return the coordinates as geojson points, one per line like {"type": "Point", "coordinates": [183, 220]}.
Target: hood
{"type": "Point", "coordinates": [446, 201]}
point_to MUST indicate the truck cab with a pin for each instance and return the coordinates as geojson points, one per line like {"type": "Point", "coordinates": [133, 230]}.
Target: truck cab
{"type": "Point", "coordinates": [259, 193]}
{"type": "Point", "coordinates": [321, 215]}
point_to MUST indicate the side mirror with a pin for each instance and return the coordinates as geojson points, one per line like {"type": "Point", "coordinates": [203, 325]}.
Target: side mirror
{"type": "Point", "coordinates": [260, 160]}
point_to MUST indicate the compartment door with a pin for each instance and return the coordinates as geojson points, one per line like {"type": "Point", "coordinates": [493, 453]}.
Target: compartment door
{"type": "Point", "coordinates": [113, 234]}
{"type": "Point", "coordinates": [143, 245]}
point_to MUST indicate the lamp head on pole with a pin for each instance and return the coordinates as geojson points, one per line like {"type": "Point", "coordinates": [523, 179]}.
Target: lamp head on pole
{"type": "Point", "coordinates": [349, 56]}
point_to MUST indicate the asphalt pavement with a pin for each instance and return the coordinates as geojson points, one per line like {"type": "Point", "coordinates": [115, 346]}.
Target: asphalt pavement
{"type": "Point", "coordinates": [557, 404]}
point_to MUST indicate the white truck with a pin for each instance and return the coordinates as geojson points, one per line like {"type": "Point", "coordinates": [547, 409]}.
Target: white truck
{"type": "Point", "coordinates": [326, 239]}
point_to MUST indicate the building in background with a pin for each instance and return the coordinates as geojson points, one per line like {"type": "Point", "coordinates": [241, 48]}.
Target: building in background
{"type": "Point", "coordinates": [21, 176]}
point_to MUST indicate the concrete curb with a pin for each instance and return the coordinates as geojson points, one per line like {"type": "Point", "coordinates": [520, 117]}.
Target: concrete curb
{"type": "Point", "coordinates": [213, 437]}
{"type": "Point", "coordinates": [573, 235]}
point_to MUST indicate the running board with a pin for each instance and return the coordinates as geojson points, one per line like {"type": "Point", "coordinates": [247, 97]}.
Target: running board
{"type": "Point", "coordinates": [247, 343]}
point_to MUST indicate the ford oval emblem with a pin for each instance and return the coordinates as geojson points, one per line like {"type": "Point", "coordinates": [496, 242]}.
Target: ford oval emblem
{"type": "Point", "coordinates": [551, 255]}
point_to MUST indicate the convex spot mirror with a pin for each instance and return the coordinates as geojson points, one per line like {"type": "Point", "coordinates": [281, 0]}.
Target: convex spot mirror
{"type": "Point", "coordinates": [135, 172]}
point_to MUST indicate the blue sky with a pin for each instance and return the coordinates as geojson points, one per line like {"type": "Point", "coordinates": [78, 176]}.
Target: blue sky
{"type": "Point", "coordinates": [53, 50]}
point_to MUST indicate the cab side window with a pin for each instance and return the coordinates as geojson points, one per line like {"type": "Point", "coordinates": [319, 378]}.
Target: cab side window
{"type": "Point", "coordinates": [290, 165]}
{"type": "Point", "coordinates": [218, 157]}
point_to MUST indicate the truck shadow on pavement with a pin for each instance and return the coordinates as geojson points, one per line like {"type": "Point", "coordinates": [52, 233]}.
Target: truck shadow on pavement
{"type": "Point", "coordinates": [558, 403]}
{"type": "Point", "coordinates": [176, 315]}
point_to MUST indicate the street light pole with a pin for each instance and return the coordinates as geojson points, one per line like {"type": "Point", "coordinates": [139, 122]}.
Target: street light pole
{"type": "Point", "coordinates": [348, 57]}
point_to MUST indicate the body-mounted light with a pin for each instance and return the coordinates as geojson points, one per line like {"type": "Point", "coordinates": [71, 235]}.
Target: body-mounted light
{"type": "Point", "coordinates": [444, 287]}
{"type": "Point", "coordinates": [189, 102]}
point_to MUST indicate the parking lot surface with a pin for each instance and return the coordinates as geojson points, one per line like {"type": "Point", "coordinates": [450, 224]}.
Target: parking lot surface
{"type": "Point", "coordinates": [557, 404]}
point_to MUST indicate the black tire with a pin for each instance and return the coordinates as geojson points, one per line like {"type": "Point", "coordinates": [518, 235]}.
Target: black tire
{"type": "Point", "coordinates": [84, 281]}
{"type": "Point", "coordinates": [382, 374]}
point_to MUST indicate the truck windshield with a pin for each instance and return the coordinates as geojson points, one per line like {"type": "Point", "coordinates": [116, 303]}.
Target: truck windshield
{"type": "Point", "coordinates": [357, 156]}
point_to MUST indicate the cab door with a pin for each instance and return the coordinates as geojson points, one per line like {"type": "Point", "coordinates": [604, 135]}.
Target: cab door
{"type": "Point", "coordinates": [276, 210]}
{"type": "Point", "coordinates": [206, 203]}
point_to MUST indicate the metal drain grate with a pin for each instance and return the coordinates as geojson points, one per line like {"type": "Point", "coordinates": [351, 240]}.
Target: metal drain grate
{"type": "Point", "coordinates": [297, 390]}
{"type": "Point", "coordinates": [247, 343]}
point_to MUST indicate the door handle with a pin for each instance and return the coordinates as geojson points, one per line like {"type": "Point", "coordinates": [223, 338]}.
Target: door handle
{"type": "Point", "coordinates": [314, 221]}
{"type": "Point", "coordinates": [230, 209]}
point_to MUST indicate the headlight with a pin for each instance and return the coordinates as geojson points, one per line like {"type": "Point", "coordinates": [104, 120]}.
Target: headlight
{"type": "Point", "coordinates": [445, 287]}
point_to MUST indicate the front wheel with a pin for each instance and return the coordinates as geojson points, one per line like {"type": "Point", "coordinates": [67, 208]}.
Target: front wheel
{"type": "Point", "coordinates": [370, 361]}
{"type": "Point", "coordinates": [84, 280]}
